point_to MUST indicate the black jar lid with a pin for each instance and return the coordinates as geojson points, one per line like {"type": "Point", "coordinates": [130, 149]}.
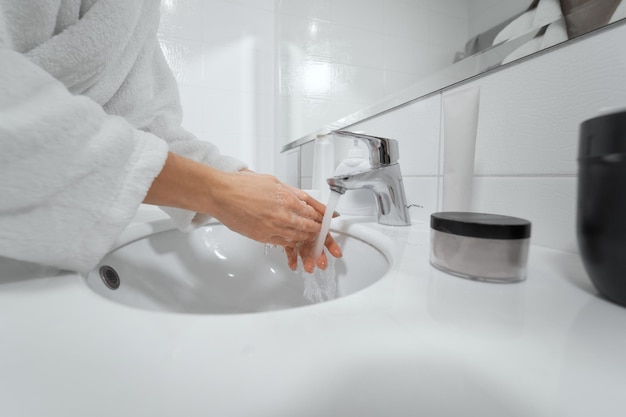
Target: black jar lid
{"type": "Point", "coordinates": [481, 225]}
{"type": "Point", "coordinates": [603, 135]}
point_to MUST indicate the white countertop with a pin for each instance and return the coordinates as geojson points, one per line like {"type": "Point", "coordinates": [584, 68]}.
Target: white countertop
{"type": "Point", "coordinates": [417, 343]}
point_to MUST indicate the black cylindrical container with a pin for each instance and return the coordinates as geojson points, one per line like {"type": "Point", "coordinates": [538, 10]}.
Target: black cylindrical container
{"type": "Point", "coordinates": [601, 211]}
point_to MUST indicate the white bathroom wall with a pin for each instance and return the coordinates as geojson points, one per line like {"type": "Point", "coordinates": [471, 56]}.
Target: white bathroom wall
{"type": "Point", "coordinates": [222, 53]}
{"type": "Point", "coordinates": [528, 131]}
{"type": "Point", "coordinates": [341, 56]}
{"type": "Point", "coordinates": [417, 128]}
{"type": "Point", "coordinates": [527, 140]}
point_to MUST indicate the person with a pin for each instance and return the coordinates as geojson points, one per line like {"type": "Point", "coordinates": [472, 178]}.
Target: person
{"type": "Point", "coordinates": [90, 128]}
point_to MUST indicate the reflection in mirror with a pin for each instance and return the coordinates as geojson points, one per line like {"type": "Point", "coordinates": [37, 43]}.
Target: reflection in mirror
{"type": "Point", "coordinates": [341, 61]}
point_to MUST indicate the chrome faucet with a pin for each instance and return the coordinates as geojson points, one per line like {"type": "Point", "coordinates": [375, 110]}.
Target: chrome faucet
{"type": "Point", "coordinates": [383, 179]}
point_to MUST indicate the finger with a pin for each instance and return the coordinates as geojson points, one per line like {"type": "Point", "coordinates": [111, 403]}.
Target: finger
{"type": "Point", "coordinates": [279, 241]}
{"type": "Point", "coordinates": [300, 207]}
{"type": "Point", "coordinates": [305, 210]}
{"type": "Point", "coordinates": [292, 257]}
{"type": "Point", "coordinates": [333, 247]}
{"type": "Point", "coordinates": [322, 261]}
{"type": "Point", "coordinates": [301, 194]}
{"type": "Point", "coordinates": [302, 229]}
{"type": "Point", "coordinates": [306, 197]}
{"type": "Point", "coordinates": [308, 263]}
{"type": "Point", "coordinates": [318, 206]}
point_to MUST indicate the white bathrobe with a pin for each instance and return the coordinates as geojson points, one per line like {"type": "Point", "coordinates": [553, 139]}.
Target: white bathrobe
{"type": "Point", "coordinates": [88, 112]}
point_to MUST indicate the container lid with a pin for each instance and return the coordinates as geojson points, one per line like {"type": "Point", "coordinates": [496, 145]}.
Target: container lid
{"type": "Point", "coordinates": [603, 135]}
{"type": "Point", "coordinates": [481, 225]}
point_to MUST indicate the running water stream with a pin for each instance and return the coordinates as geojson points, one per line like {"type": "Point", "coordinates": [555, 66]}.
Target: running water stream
{"type": "Point", "coordinates": [333, 199]}
{"type": "Point", "coordinates": [321, 285]}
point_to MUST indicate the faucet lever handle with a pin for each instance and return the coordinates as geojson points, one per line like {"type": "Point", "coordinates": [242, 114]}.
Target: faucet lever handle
{"type": "Point", "coordinates": [382, 151]}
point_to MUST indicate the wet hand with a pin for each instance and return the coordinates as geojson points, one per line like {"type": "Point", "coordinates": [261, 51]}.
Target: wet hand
{"type": "Point", "coordinates": [257, 206]}
{"type": "Point", "coordinates": [304, 250]}
{"type": "Point", "coordinates": [264, 209]}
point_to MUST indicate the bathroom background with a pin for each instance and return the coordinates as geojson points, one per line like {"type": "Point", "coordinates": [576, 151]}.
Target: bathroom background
{"type": "Point", "coordinates": [256, 74]}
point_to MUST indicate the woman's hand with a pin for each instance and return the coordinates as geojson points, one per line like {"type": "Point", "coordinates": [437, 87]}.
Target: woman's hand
{"type": "Point", "coordinates": [264, 209]}
{"type": "Point", "coordinates": [309, 261]}
{"type": "Point", "coordinates": [254, 205]}
{"type": "Point", "coordinates": [305, 249]}
{"type": "Point", "coordinates": [279, 214]}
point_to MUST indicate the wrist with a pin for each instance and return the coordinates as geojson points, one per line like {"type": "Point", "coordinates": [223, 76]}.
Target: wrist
{"type": "Point", "coordinates": [187, 184]}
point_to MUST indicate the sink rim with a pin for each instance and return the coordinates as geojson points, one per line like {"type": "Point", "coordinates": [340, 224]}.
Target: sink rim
{"type": "Point", "coordinates": [361, 229]}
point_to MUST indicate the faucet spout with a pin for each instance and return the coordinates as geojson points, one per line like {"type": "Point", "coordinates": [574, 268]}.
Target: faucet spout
{"type": "Point", "coordinates": [382, 151]}
{"type": "Point", "coordinates": [386, 184]}
{"type": "Point", "coordinates": [384, 178]}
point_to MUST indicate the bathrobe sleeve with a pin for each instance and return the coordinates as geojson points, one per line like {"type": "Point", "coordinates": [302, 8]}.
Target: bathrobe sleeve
{"type": "Point", "coordinates": [149, 99]}
{"type": "Point", "coordinates": [87, 117]}
{"type": "Point", "coordinates": [71, 175]}
{"type": "Point", "coordinates": [161, 114]}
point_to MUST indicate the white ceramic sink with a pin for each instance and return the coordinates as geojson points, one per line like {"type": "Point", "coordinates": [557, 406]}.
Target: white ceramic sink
{"type": "Point", "coordinates": [213, 270]}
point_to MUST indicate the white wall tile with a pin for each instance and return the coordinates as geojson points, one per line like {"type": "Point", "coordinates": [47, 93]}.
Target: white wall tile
{"type": "Point", "coordinates": [268, 5]}
{"type": "Point", "coordinates": [238, 67]}
{"type": "Point", "coordinates": [225, 23]}
{"type": "Point", "coordinates": [360, 40]}
{"type": "Point", "coordinates": [191, 99]}
{"type": "Point", "coordinates": [255, 150]}
{"type": "Point", "coordinates": [528, 131]}
{"type": "Point", "coordinates": [358, 47]}
{"type": "Point", "coordinates": [548, 202]}
{"type": "Point", "coordinates": [222, 55]}
{"type": "Point", "coordinates": [303, 38]}
{"type": "Point", "coordinates": [306, 115]}
{"type": "Point", "coordinates": [318, 9]}
{"type": "Point", "coordinates": [530, 112]}
{"type": "Point", "coordinates": [417, 128]}
{"type": "Point", "coordinates": [306, 78]}
{"type": "Point", "coordinates": [448, 31]}
{"type": "Point", "coordinates": [348, 106]}
{"type": "Point", "coordinates": [306, 183]}
{"type": "Point", "coordinates": [287, 167]}
{"type": "Point", "coordinates": [363, 14]}
{"type": "Point", "coordinates": [238, 113]}
{"type": "Point", "coordinates": [306, 162]}
{"type": "Point", "coordinates": [405, 20]}
{"type": "Point", "coordinates": [421, 191]}
{"type": "Point", "coordinates": [181, 19]}
{"type": "Point", "coordinates": [357, 83]}
{"type": "Point", "coordinates": [184, 58]}
{"type": "Point", "coordinates": [413, 56]}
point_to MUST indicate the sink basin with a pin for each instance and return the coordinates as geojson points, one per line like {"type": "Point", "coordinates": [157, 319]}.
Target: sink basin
{"type": "Point", "coordinates": [213, 270]}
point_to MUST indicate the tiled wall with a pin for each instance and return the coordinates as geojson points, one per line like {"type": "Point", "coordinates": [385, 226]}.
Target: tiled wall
{"type": "Point", "coordinates": [528, 131]}
{"type": "Point", "coordinates": [222, 55]}
{"type": "Point", "coordinates": [527, 139]}
{"type": "Point", "coordinates": [340, 56]}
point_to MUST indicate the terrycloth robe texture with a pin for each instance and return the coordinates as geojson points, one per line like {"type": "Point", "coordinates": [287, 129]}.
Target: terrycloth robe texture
{"type": "Point", "coordinates": [88, 111]}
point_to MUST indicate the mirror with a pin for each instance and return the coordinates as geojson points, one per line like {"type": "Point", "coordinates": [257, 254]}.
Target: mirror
{"type": "Point", "coordinates": [341, 61]}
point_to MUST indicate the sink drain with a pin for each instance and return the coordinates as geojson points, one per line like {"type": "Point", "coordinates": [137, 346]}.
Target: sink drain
{"type": "Point", "coordinates": [110, 277]}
